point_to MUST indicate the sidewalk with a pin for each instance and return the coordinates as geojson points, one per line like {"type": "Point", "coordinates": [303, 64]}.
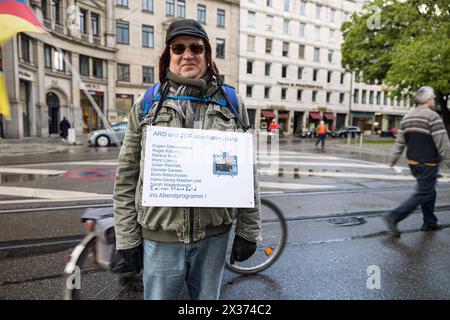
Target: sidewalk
{"type": "Point", "coordinates": [39, 145]}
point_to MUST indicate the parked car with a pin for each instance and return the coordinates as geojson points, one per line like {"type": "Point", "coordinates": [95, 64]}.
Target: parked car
{"type": "Point", "coordinates": [104, 137]}
{"type": "Point", "coordinates": [352, 130]}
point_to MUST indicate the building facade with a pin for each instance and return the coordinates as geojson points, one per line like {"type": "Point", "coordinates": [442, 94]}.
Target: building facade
{"type": "Point", "coordinates": [99, 57]}
{"type": "Point", "coordinates": [290, 69]}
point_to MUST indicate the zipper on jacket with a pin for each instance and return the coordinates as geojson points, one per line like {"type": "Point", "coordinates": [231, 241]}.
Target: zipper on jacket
{"type": "Point", "coordinates": [191, 225]}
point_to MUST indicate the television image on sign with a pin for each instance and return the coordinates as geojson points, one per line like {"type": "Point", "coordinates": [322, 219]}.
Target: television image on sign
{"type": "Point", "coordinates": [225, 164]}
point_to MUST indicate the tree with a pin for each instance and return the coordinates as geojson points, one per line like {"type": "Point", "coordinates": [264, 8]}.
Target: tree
{"type": "Point", "coordinates": [409, 48]}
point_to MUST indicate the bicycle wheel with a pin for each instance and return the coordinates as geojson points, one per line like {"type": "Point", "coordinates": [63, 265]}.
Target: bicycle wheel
{"type": "Point", "coordinates": [269, 248]}
{"type": "Point", "coordinates": [95, 282]}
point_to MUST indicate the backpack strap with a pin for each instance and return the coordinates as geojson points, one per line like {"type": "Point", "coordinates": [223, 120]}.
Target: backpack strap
{"type": "Point", "coordinates": [230, 92]}
{"type": "Point", "coordinates": [149, 99]}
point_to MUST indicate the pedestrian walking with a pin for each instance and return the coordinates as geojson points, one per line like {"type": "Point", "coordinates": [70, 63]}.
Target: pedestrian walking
{"type": "Point", "coordinates": [423, 134]}
{"type": "Point", "coordinates": [177, 245]}
{"type": "Point", "coordinates": [64, 127]}
{"type": "Point", "coordinates": [1, 126]}
{"type": "Point", "coordinates": [322, 134]}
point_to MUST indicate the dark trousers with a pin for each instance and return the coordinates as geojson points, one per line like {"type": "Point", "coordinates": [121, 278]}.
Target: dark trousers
{"type": "Point", "coordinates": [425, 195]}
{"type": "Point", "coordinates": [321, 139]}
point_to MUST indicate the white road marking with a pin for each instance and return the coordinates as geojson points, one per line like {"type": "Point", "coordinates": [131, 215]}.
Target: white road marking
{"type": "Point", "coordinates": [50, 193]}
{"type": "Point", "coordinates": [295, 186]}
{"type": "Point", "coordinates": [31, 171]}
{"type": "Point", "coordinates": [328, 164]}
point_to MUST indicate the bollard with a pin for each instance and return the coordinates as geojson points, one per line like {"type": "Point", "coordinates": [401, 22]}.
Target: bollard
{"type": "Point", "coordinates": [280, 172]}
{"type": "Point", "coordinates": [296, 175]}
{"type": "Point", "coordinates": [360, 140]}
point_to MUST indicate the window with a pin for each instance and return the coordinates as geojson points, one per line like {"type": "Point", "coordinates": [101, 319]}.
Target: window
{"type": "Point", "coordinates": [300, 73]}
{"type": "Point", "coordinates": [314, 96]}
{"type": "Point", "coordinates": [123, 72]}
{"type": "Point", "coordinates": [341, 97]}
{"type": "Point", "coordinates": [25, 48]}
{"type": "Point", "coordinates": [269, 21]}
{"type": "Point", "coordinates": [267, 92]}
{"type": "Point", "coordinates": [83, 14]}
{"type": "Point", "coordinates": [299, 94]}
{"type": "Point", "coordinates": [328, 97]}
{"type": "Point", "coordinates": [302, 30]}
{"type": "Point", "coordinates": [122, 32]}
{"type": "Point", "coordinates": [122, 3]}
{"type": "Point", "coordinates": [302, 8]}
{"type": "Point", "coordinates": [48, 56]}
{"type": "Point", "coordinates": [356, 96]}
{"type": "Point", "coordinates": [317, 33]}
{"type": "Point", "coordinates": [148, 74]}
{"type": "Point", "coordinates": [181, 9]}
{"type": "Point", "coordinates": [316, 54]}
{"type": "Point", "coordinates": [251, 19]}
{"type": "Point", "coordinates": [269, 3]}
{"type": "Point", "coordinates": [170, 8]}
{"type": "Point", "coordinates": [98, 68]}
{"type": "Point", "coordinates": [249, 91]}
{"type": "Point", "coordinates": [285, 26]}
{"type": "Point", "coordinates": [285, 49]}
{"type": "Point", "coordinates": [94, 24]}
{"type": "Point", "coordinates": [332, 15]}
{"type": "Point", "coordinates": [284, 71]}
{"type": "Point", "coordinates": [283, 93]}
{"type": "Point", "coordinates": [221, 18]}
{"type": "Point", "coordinates": [330, 56]}
{"type": "Point", "coordinates": [378, 98]}
{"type": "Point", "coordinates": [58, 60]}
{"type": "Point", "coordinates": [56, 11]}
{"type": "Point", "coordinates": [220, 48]}
{"type": "Point", "coordinates": [84, 65]}
{"type": "Point", "coordinates": [329, 75]}
{"type": "Point", "coordinates": [371, 97]}
{"type": "Point", "coordinates": [301, 51]}
{"type": "Point", "coordinates": [385, 99]}
{"type": "Point", "coordinates": [249, 66]}
{"type": "Point", "coordinates": [318, 9]}
{"type": "Point", "coordinates": [364, 97]}
{"type": "Point", "coordinates": [315, 74]}
{"type": "Point", "coordinates": [201, 13]}
{"type": "Point", "coordinates": [147, 5]}
{"type": "Point", "coordinates": [331, 34]}
{"type": "Point", "coordinates": [44, 9]}
{"type": "Point", "coordinates": [268, 46]}
{"type": "Point", "coordinates": [147, 36]}
{"type": "Point", "coordinates": [251, 43]}
{"type": "Point", "coordinates": [342, 78]}
{"type": "Point", "coordinates": [267, 69]}
{"type": "Point", "coordinates": [286, 5]}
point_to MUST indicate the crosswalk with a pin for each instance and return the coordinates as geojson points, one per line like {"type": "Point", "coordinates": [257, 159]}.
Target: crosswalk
{"type": "Point", "coordinates": [284, 171]}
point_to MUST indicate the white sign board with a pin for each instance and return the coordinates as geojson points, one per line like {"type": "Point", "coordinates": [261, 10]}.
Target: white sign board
{"type": "Point", "coordinates": [198, 168]}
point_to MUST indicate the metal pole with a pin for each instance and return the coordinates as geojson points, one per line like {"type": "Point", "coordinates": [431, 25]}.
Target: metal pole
{"type": "Point", "coordinates": [349, 118]}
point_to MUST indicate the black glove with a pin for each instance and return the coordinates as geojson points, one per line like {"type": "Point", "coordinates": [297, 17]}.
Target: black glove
{"type": "Point", "coordinates": [134, 257]}
{"type": "Point", "coordinates": [242, 249]}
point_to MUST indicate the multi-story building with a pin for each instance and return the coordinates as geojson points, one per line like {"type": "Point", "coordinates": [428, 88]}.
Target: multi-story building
{"type": "Point", "coordinates": [290, 68]}
{"type": "Point", "coordinates": [101, 54]}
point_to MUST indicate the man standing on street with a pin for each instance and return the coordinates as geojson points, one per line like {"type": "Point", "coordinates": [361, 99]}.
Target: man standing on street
{"type": "Point", "coordinates": [322, 133]}
{"type": "Point", "coordinates": [64, 127]}
{"type": "Point", "coordinates": [424, 135]}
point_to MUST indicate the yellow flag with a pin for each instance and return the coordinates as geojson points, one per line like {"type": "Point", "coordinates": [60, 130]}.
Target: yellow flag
{"type": "Point", "coordinates": [4, 102]}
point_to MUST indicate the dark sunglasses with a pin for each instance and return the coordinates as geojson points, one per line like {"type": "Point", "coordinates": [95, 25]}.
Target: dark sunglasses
{"type": "Point", "coordinates": [179, 48]}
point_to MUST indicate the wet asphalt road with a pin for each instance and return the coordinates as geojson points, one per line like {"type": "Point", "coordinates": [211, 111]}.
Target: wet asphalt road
{"type": "Point", "coordinates": [321, 261]}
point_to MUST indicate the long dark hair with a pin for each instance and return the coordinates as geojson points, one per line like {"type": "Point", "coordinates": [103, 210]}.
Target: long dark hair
{"type": "Point", "coordinates": [164, 62]}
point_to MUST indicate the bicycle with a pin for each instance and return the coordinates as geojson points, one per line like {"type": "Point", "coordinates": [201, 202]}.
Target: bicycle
{"type": "Point", "coordinates": [87, 274]}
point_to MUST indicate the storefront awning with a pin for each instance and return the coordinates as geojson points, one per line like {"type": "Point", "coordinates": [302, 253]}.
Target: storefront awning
{"type": "Point", "coordinates": [315, 115]}
{"type": "Point", "coordinates": [267, 114]}
{"type": "Point", "coordinates": [329, 116]}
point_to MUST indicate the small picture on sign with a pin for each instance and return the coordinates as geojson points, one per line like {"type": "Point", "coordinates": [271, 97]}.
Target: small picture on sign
{"type": "Point", "coordinates": [225, 164]}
